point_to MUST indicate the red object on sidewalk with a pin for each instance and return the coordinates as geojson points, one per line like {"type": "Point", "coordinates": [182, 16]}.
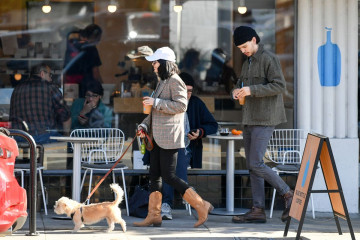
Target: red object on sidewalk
{"type": "Point", "coordinates": [13, 201]}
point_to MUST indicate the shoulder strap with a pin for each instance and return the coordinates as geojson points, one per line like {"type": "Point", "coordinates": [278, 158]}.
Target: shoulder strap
{"type": "Point", "coordinates": [72, 215]}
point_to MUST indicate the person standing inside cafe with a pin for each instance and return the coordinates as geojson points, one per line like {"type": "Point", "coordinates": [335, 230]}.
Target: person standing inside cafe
{"type": "Point", "coordinates": [262, 84]}
{"type": "Point", "coordinates": [165, 126]}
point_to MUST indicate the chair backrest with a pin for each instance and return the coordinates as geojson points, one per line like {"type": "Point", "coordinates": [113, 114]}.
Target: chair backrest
{"type": "Point", "coordinates": [284, 146]}
{"type": "Point", "coordinates": [107, 149]}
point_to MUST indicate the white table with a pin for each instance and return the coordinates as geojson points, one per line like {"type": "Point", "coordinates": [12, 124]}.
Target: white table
{"type": "Point", "coordinates": [76, 178]}
{"type": "Point", "coordinates": [230, 166]}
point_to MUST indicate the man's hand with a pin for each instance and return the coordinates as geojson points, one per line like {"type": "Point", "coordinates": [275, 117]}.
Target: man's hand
{"type": "Point", "coordinates": [67, 127]}
{"type": "Point", "coordinates": [235, 93]}
{"type": "Point", "coordinates": [193, 135]}
{"type": "Point", "coordinates": [241, 92]}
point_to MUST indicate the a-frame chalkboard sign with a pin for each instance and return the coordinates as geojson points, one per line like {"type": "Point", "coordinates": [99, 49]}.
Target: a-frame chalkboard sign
{"type": "Point", "coordinates": [317, 148]}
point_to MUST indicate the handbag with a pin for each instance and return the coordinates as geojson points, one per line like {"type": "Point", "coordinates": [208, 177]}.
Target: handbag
{"type": "Point", "coordinates": [139, 201]}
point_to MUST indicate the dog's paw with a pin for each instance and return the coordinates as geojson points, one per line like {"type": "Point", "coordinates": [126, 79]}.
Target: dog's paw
{"type": "Point", "coordinates": [77, 228]}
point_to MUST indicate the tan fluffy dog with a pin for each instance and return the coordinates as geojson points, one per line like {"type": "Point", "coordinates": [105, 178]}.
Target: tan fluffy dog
{"type": "Point", "coordinates": [93, 213]}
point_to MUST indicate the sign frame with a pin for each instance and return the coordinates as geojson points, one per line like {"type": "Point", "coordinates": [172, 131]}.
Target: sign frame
{"type": "Point", "coordinates": [318, 149]}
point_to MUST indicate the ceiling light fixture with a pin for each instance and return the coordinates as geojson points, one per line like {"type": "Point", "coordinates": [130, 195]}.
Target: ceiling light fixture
{"type": "Point", "coordinates": [46, 8]}
{"type": "Point", "coordinates": [178, 6]}
{"type": "Point", "coordinates": [112, 7]}
{"type": "Point", "coordinates": [242, 9]}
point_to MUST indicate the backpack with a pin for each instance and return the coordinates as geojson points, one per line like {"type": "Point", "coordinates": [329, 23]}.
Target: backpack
{"type": "Point", "coordinates": [139, 201]}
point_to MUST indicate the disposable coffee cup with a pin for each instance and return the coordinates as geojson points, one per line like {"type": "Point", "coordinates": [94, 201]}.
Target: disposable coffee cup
{"type": "Point", "coordinates": [147, 109]}
{"type": "Point", "coordinates": [242, 100]}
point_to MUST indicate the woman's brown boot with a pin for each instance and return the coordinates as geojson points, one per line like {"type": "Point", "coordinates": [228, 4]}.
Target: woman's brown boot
{"type": "Point", "coordinates": [154, 211]}
{"type": "Point", "coordinates": [201, 206]}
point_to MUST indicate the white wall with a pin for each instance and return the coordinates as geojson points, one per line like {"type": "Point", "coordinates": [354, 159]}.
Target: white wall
{"type": "Point", "coordinates": [342, 150]}
{"type": "Point", "coordinates": [331, 110]}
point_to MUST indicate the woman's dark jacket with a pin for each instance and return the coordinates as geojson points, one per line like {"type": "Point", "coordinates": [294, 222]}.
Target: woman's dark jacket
{"type": "Point", "coordinates": [199, 118]}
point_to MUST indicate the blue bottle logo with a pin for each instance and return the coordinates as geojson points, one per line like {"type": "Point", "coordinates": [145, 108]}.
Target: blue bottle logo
{"type": "Point", "coordinates": [306, 171]}
{"type": "Point", "coordinates": [329, 62]}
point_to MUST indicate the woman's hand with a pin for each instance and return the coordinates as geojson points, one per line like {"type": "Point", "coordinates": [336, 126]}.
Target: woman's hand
{"type": "Point", "coordinates": [87, 107]}
{"type": "Point", "coordinates": [193, 135]}
{"type": "Point", "coordinates": [140, 132]}
{"type": "Point", "coordinates": [148, 100]}
{"type": "Point", "coordinates": [83, 120]}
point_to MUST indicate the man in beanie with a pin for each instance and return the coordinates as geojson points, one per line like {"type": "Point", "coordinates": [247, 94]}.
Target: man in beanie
{"type": "Point", "coordinates": [262, 84]}
{"type": "Point", "coordinates": [199, 123]}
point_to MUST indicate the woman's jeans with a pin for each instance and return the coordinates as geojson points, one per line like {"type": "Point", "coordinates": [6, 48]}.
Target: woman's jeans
{"type": "Point", "coordinates": [163, 167]}
{"type": "Point", "coordinates": [256, 139]}
{"type": "Point", "coordinates": [183, 162]}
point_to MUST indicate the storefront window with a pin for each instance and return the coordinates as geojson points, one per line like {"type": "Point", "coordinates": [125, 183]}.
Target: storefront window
{"type": "Point", "coordinates": [200, 35]}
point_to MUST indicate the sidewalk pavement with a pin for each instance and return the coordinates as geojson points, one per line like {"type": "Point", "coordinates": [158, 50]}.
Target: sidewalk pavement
{"type": "Point", "coordinates": [181, 227]}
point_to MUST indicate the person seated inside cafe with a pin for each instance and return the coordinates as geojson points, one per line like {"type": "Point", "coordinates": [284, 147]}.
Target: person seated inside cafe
{"type": "Point", "coordinates": [91, 112]}
{"type": "Point", "coordinates": [37, 106]}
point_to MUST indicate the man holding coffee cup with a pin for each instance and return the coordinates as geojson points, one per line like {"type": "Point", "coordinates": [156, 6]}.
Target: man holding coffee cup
{"type": "Point", "coordinates": [262, 84]}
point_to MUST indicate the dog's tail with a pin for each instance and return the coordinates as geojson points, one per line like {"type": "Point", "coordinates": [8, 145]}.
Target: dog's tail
{"type": "Point", "coordinates": [119, 193]}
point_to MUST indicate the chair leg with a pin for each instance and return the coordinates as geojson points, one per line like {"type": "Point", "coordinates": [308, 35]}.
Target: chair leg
{"type": "Point", "coordinates": [188, 207]}
{"type": "Point", "coordinates": [83, 180]}
{"type": "Point", "coordinates": [272, 203]}
{"type": "Point", "coordinates": [114, 181]}
{"type": "Point", "coordinates": [42, 191]}
{"type": "Point", "coordinates": [125, 194]}
{"type": "Point", "coordinates": [312, 206]}
{"type": "Point", "coordinates": [22, 178]}
{"type": "Point", "coordinates": [90, 182]}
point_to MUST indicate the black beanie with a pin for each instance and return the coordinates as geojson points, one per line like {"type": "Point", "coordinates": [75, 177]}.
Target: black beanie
{"type": "Point", "coordinates": [244, 34]}
{"type": "Point", "coordinates": [187, 79]}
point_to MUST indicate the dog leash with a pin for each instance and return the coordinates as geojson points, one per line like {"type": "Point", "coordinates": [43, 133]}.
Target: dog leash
{"type": "Point", "coordinates": [149, 146]}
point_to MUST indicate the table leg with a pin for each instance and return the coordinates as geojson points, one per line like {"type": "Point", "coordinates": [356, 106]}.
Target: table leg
{"type": "Point", "coordinates": [230, 176]}
{"type": "Point", "coordinates": [230, 185]}
{"type": "Point", "coordinates": [116, 120]}
{"type": "Point", "coordinates": [76, 172]}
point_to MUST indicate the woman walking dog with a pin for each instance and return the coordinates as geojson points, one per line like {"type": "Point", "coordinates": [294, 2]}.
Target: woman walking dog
{"type": "Point", "coordinates": [165, 126]}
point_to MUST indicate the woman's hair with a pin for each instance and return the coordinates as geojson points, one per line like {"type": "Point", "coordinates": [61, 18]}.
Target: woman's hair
{"type": "Point", "coordinates": [167, 69]}
{"type": "Point", "coordinates": [95, 87]}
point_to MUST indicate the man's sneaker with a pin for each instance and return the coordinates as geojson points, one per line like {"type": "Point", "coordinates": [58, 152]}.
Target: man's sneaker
{"type": "Point", "coordinates": [166, 211]}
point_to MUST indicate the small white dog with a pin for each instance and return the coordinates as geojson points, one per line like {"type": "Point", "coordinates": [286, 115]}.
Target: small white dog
{"type": "Point", "coordinates": [89, 214]}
